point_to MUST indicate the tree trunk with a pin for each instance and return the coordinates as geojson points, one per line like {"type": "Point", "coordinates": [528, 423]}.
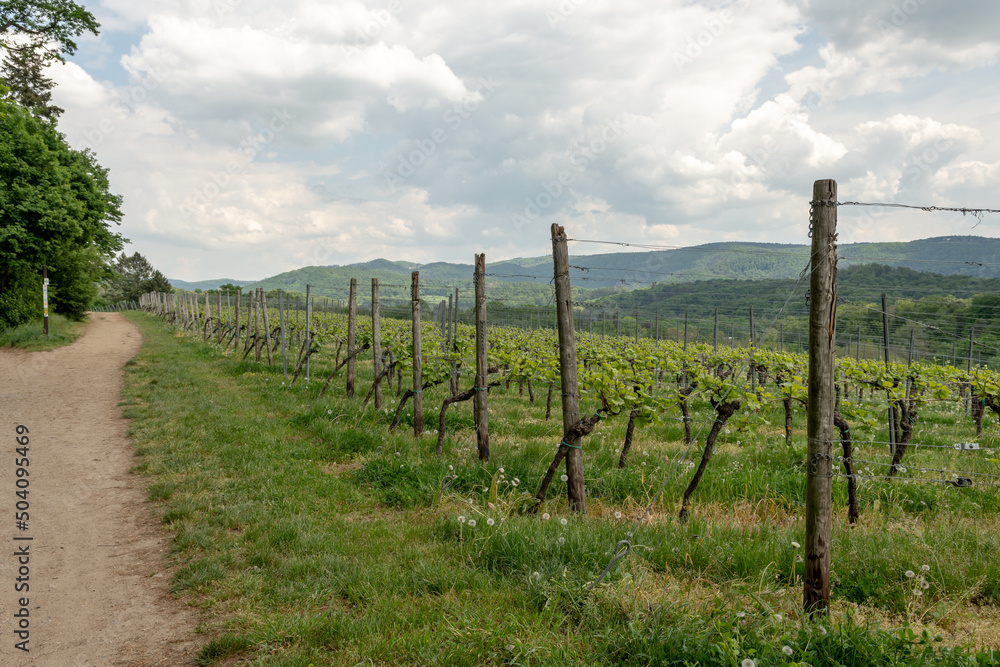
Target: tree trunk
{"type": "Point", "coordinates": [723, 412]}
{"type": "Point", "coordinates": [623, 459]}
{"type": "Point", "coordinates": [852, 483]}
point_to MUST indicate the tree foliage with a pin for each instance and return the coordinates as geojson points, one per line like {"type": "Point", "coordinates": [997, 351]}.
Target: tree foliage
{"type": "Point", "coordinates": [134, 276]}
{"type": "Point", "coordinates": [34, 34]}
{"type": "Point", "coordinates": [56, 209]}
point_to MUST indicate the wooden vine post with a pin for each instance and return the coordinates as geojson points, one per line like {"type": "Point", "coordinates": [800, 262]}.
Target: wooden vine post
{"type": "Point", "coordinates": [218, 330]}
{"type": "Point", "coordinates": [284, 341]}
{"type": "Point", "coordinates": [352, 334]}
{"type": "Point", "coordinates": [376, 343]}
{"type": "Point", "coordinates": [418, 396]}
{"type": "Point", "coordinates": [308, 330]}
{"type": "Point", "coordinates": [267, 325]}
{"type": "Point", "coordinates": [239, 297]}
{"type": "Point", "coordinates": [481, 419]}
{"type": "Point", "coordinates": [567, 369]}
{"type": "Point", "coordinates": [820, 426]}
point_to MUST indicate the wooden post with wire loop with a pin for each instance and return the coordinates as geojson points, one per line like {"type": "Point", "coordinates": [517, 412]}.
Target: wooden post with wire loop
{"type": "Point", "coordinates": [480, 408]}
{"type": "Point", "coordinates": [567, 370]}
{"type": "Point", "coordinates": [822, 332]}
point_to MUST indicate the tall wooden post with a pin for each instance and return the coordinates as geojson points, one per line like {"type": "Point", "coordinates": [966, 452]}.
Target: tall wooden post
{"type": "Point", "coordinates": [567, 369]}
{"type": "Point", "coordinates": [885, 345]}
{"type": "Point", "coordinates": [267, 325]}
{"type": "Point", "coordinates": [239, 297]}
{"type": "Point", "coordinates": [482, 423]}
{"type": "Point", "coordinates": [715, 331]}
{"type": "Point", "coordinates": [418, 396]}
{"type": "Point", "coordinates": [352, 334]}
{"type": "Point", "coordinates": [284, 342]}
{"type": "Point", "coordinates": [308, 330]}
{"type": "Point", "coordinates": [376, 343]}
{"type": "Point", "coordinates": [822, 330]}
{"type": "Point", "coordinates": [208, 318]}
{"type": "Point", "coordinates": [218, 329]}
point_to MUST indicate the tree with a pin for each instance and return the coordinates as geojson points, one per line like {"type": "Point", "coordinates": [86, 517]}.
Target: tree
{"type": "Point", "coordinates": [34, 34]}
{"type": "Point", "coordinates": [56, 209]}
{"type": "Point", "coordinates": [133, 277]}
{"type": "Point", "coordinates": [22, 73]}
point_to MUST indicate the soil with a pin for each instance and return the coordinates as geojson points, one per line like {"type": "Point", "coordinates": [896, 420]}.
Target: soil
{"type": "Point", "coordinates": [98, 574]}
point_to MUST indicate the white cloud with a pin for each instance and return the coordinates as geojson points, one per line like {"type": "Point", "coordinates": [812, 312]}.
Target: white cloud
{"type": "Point", "coordinates": [252, 134]}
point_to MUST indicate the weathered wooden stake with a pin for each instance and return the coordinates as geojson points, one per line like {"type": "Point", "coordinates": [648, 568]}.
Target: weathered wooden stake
{"type": "Point", "coordinates": [284, 342]}
{"type": "Point", "coordinates": [267, 325]}
{"type": "Point", "coordinates": [885, 344]}
{"type": "Point", "coordinates": [482, 425]}
{"type": "Point", "coordinates": [352, 334]}
{"type": "Point", "coordinates": [822, 330]}
{"type": "Point", "coordinates": [567, 369]}
{"type": "Point", "coordinates": [308, 330]}
{"type": "Point", "coordinates": [377, 344]}
{"type": "Point", "coordinates": [418, 395]}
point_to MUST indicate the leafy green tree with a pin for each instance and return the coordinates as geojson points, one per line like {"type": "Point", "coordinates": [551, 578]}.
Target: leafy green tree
{"type": "Point", "coordinates": [34, 34]}
{"type": "Point", "coordinates": [133, 277]}
{"type": "Point", "coordinates": [56, 209]}
{"type": "Point", "coordinates": [22, 73]}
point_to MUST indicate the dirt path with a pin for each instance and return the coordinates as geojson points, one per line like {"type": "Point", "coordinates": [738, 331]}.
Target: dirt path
{"type": "Point", "coordinates": [99, 588]}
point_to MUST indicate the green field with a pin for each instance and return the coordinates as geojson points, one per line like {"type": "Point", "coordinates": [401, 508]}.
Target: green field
{"type": "Point", "coordinates": [29, 336]}
{"type": "Point", "coordinates": [310, 535]}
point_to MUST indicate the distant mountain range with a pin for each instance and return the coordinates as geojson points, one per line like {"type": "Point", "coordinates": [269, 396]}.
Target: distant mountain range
{"type": "Point", "coordinates": [527, 280]}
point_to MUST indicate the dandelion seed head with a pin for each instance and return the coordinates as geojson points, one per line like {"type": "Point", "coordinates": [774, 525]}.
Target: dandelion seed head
{"type": "Point", "coordinates": [909, 574]}
{"type": "Point", "coordinates": [796, 545]}
{"type": "Point", "coordinates": [564, 477]}
{"type": "Point", "coordinates": [787, 650]}
{"type": "Point", "coordinates": [747, 662]}
{"type": "Point", "coordinates": [461, 518]}
{"type": "Point", "coordinates": [545, 516]}
{"type": "Point", "coordinates": [563, 521]}
{"type": "Point", "coordinates": [618, 515]}
{"type": "Point", "coordinates": [562, 540]}
{"type": "Point", "coordinates": [925, 568]}
{"type": "Point", "coordinates": [490, 522]}
{"type": "Point", "coordinates": [472, 522]}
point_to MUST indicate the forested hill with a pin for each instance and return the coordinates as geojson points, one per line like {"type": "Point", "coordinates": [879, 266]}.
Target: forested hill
{"type": "Point", "coordinates": [526, 280]}
{"type": "Point", "coordinates": [862, 284]}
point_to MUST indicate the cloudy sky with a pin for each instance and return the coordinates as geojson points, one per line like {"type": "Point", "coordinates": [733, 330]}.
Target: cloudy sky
{"type": "Point", "coordinates": [250, 137]}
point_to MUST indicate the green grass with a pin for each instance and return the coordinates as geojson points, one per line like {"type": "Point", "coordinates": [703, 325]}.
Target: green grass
{"type": "Point", "coordinates": [311, 535]}
{"type": "Point", "coordinates": [29, 336]}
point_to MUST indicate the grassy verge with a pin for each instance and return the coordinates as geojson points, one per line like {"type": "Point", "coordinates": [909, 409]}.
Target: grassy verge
{"type": "Point", "coordinates": [313, 536]}
{"type": "Point", "coordinates": [29, 336]}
